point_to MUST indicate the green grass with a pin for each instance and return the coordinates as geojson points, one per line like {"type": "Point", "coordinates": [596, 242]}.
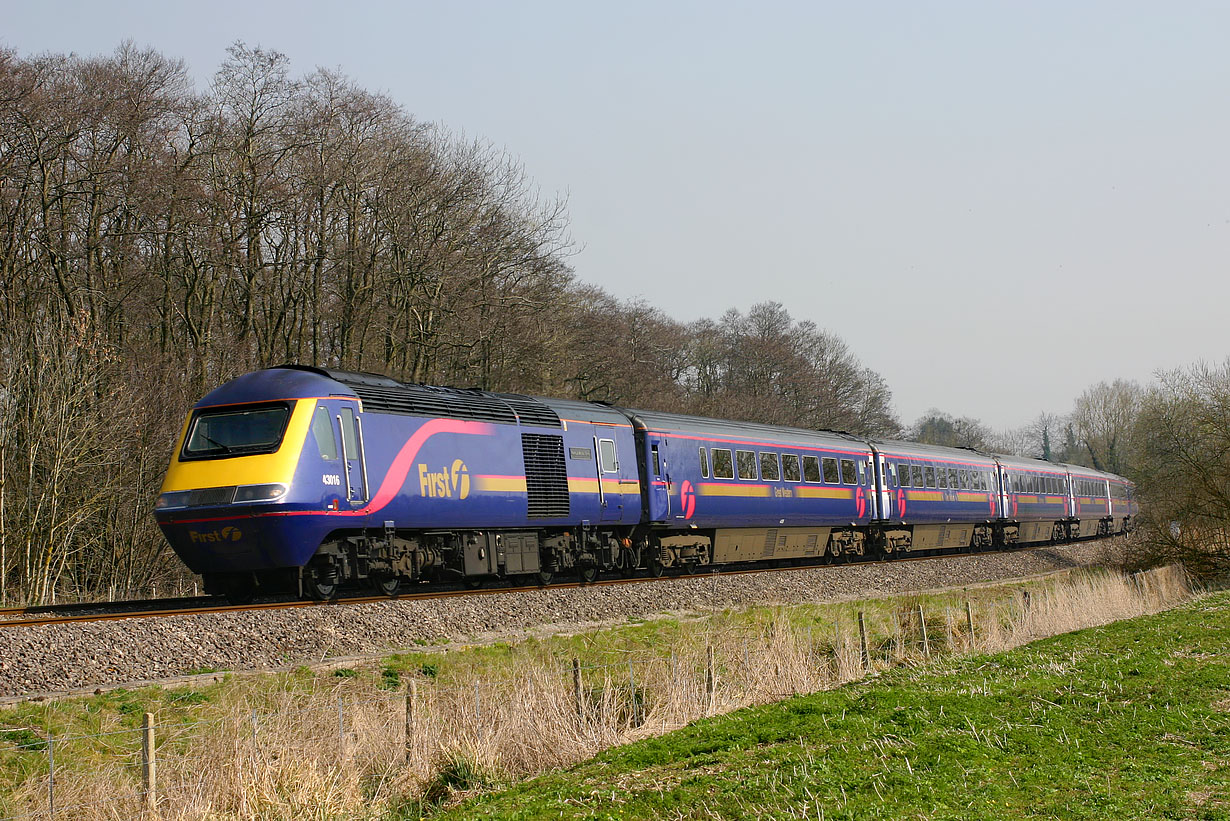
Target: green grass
{"type": "Point", "coordinates": [1125, 721]}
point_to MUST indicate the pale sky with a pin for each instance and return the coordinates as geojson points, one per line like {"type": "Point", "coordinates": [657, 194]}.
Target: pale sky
{"type": "Point", "coordinates": [995, 204]}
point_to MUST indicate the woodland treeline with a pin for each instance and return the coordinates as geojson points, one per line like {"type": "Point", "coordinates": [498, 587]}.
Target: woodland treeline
{"type": "Point", "coordinates": [157, 239]}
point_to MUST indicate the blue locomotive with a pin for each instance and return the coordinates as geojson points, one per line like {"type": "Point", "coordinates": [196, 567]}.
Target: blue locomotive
{"type": "Point", "coordinates": [305, 479]}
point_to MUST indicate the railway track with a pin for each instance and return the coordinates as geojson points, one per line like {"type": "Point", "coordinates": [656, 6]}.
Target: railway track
{"type": "Point", "coordinates": [153, 608]}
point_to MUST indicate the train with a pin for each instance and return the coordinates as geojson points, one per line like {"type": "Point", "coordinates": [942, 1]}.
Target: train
{"type": "Point", "coordinates": [305, 480]}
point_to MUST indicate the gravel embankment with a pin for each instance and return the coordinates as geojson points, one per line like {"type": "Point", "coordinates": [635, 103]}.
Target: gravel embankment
{"type": "Point", "coordinates": [41, 660]}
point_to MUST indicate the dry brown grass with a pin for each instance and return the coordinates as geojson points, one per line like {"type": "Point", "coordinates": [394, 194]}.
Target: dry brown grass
{"type": "Point", "coordinates": [287, 755]}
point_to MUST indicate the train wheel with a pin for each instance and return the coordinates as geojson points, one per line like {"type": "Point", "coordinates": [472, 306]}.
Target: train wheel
{"type": "Point", "coordinates": [319, 589]}
{"type": "Point", "coordinates": [589, 573]}
{"type": "Point", "coordinates": [656, 569]}
{"type": "Point", "coordinates": [544, 577]}
{"type": "Point", "coordinates": [473, 582]}
{"type": "Point", "coordinates": [385, 585]}
{"type": "Point", "coordinates": [239, 588]}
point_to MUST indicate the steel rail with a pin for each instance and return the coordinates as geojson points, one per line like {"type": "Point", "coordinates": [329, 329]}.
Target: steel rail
{"type": "Point", "coordinates": [708, 572]}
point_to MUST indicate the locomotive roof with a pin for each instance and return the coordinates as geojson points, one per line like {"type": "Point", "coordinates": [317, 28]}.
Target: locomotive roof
{"type": "Point", "coordinates": [702, 425]}
{"type": "Point", "coordinates": [383, 394]}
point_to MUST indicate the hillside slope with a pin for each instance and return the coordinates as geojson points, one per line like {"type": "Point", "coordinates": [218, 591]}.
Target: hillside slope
{"type": "Point", "coordinates": [1125, 721]}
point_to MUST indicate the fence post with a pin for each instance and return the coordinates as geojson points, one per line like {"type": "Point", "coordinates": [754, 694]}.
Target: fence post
{"type": "Point", "coordinates": [710, 679]}
{"type": "Point", "coordinates": [862, 640]}
{"type": "Point", "coordinates": [576, 688]}
{"type": "Point", "coordinates": [922, 627]}
{"type": "Point", "coordinates": [149, 765]}
{"type": "Point", "coordinates": [1025, 603]}
{"type": "Point", "coordinates": [51, 776]}
{"type": "Point", "coordinates": [632, 684]}
{"type": "Point", "coordinates": [969, 621]}
{"type": "Point", "coordinates": [412, 694]}
{"type": "Point", "coordinates": [341, 725]}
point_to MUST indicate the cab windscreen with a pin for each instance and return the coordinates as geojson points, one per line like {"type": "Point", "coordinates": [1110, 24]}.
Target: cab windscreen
{"type": "Point", "coordinates": [227, 432]}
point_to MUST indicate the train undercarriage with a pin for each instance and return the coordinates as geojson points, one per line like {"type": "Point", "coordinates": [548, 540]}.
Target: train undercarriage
{"type": "Point", "coordinates": [388, 561]}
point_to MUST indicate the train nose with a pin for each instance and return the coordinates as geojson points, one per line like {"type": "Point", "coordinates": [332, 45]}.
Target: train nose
{"type": "Point", "coordinates": [218, 546]}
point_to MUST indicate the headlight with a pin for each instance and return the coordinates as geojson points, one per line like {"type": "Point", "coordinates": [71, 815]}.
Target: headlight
{"type": "Point", "coordinates": [177, 499]}
{"type": "Point", "coordinates": [259, 493]}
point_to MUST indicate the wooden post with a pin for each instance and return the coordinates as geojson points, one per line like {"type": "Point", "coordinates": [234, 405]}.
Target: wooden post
{"type": "Point", "coordinates": [1025, 600]}
{"type": "Point", "coordinates": [922, 628]}
{"type": "Point", "coordinates": [710, 679]}
{"type": "Point", "coordinates": [576, 688]}
{"type": "Point", "coordinates": [149, 765]}
{"type": "Point", "coordinates": [51, 775]}
{"type": "Point", "coordinates": [412, 696]}
{"type": "Point", "coordinates": [969, 621]}
{"type": "Point", "coordinates": [862, 640]}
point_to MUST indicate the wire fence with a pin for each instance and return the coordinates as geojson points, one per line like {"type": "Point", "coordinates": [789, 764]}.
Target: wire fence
{"type": "Point", "coordinates": [366, 740]}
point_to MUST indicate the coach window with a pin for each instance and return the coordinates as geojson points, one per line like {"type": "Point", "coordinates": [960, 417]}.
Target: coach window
{"type": "Point", "coordinates": [916, 473]}
{"type": "Point", "coordinates": [963, 478]}
{"type": "Point", "coordinates": [747, 464]}
{"type": "Point", "coordinates": [657, 461]}
{"type": "Point", "coordinates": [930, 473]}
{"type": "Point", "coordinates": [942, 477]}
{"type": "Point", "coordinates": [606, 455]}
{"type": "Point", "coordinates": [811, 469]}
{"type": "Point", "coordinates": [704, 464]}
{"type": "Point", "coordinates": [768, 467]}
{"type": "Point", "coordinates": [903, 474]}
{"type": "Point", "coordinates": [723, 464]}
{"type": "Point", "coordinates": [848, 475]}
{"type": "Point", "coordinates": [831, 475]}
{"type": "Point", "coordinates": [322, 429]}
{"type": "Point", "coordinates": [952, 478]}
{"type": "Point", "coordinates": [790, 467]}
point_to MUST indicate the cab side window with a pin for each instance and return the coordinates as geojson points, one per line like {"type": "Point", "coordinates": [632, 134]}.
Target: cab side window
{"type": "Point", "coordinates": [322, 431]}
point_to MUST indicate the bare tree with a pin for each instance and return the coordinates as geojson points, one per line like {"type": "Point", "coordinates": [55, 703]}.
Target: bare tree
{"type": "Point", "coordinates": [1103, 419]}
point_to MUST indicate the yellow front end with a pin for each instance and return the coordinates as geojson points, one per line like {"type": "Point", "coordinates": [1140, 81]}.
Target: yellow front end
{"type": "Point", "coordinates": [262, 468]}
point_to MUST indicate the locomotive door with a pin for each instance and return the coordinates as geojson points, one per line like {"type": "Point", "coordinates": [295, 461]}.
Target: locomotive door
{"type": "Point", "coordinates": [355, 471]}
{"type": "Point", "coordinates": [610, 493]}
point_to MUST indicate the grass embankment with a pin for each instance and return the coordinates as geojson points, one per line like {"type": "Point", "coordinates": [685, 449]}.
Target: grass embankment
{"type": "Point", "coordinates": [337, 744]}
{"type": "Point", "coordinates": [1124, 721]}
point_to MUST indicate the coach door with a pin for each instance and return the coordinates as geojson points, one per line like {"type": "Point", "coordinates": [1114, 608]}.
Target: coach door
{"type": "Point", "coordinates": [884, 486]}
{"type": "Point", "coordinates": [1002, 489]}
{"type": "Point", "coordinates": [657, 466]}
{"type": "Point", "coordinates": [355, 477]}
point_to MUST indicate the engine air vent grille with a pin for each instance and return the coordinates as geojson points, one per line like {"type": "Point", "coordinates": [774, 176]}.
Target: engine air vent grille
{"type": "Point", "coordinates": [381, 394]}
{"type": "Point", "coordinates": [546, 476]}
{"type": "Point", "coordinates": [422, 400]}
{"type": "Point", "coordinates": [531, 411]}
